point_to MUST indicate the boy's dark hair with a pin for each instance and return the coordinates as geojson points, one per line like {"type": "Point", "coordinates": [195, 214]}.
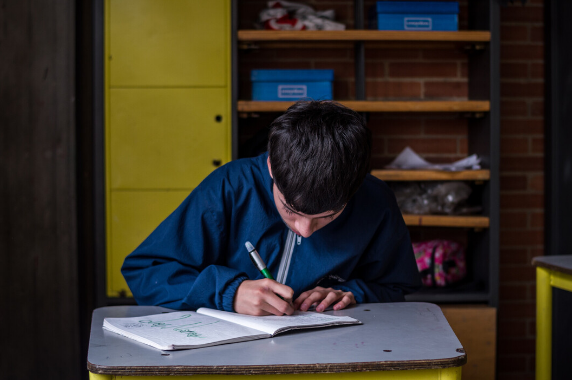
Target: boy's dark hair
{"type": "Point", "coordinates": [319, 152]}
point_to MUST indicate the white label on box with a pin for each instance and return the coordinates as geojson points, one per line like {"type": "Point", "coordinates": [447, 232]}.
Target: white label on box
{"type": "Point", "coordinates": [292, 91]}
{"type": "Point", "coordinates": [417, 23]}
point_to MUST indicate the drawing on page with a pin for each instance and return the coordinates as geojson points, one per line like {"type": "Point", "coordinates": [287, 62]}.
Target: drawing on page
{"type": "Point", "coordinates": [162, 323]}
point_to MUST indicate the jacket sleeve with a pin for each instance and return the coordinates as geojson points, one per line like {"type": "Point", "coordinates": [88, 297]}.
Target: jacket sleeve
{"type": "Point", "coordinates": [387, 270]}
{"type": "Point", "coordinates": [181, 265]}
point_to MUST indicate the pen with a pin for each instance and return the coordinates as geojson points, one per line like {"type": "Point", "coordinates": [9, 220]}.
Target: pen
{"type": "Point", "coordinates": [259, 264]}
{"type": "Point", "coordinates": [257, 261]}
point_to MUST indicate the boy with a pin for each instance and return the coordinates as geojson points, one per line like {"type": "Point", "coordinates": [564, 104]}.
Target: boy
{"type": "Point", "coordinates": [330, 233]}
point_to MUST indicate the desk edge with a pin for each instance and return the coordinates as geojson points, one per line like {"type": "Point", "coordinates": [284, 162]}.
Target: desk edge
{"type": "Point", "coordinates": [457, 361]}
{"type": "Point", "coordinates": [538, 262]}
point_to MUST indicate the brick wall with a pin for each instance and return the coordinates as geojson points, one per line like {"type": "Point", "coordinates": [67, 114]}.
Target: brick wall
{"type": "Point", "coordinates": [438, 74]}
{"type": "Point", "coordinates": [522, 183]}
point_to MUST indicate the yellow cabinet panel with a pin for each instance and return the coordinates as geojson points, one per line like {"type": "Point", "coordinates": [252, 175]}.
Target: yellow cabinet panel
{"type": "Point", "coordinates": [166, 138]}
{"type": "Point", "coordinates": [133, 216]}
{"type": "Point", "coordinates": [169, 43]}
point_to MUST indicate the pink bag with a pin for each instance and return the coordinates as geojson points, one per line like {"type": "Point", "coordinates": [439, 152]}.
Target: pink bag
{"type": "Point", "coordinates": [440, 262]}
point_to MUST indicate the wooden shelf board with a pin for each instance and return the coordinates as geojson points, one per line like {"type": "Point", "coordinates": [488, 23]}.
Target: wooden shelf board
{"type": "Point", "coordinates": [432, 175]}
{"type": "Point", "coordinates": [426, 45]}
{"type": "Point", "coordinates": [446, 221]}
{"type": "Point", "coordinates": [362, 35]}
{"type": "Point", "coordinates": [377, 106]}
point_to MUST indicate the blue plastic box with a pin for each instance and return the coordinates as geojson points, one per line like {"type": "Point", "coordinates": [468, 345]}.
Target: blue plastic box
{"type": "Point", "coordinates": [417, 15]}
{"type": "Point", "coordinates": [291, 85]}
{"type": "Point", "coordinates": [419, 7]}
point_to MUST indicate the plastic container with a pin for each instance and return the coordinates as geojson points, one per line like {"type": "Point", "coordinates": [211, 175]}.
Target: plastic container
{"type": "Point", "coordinates": [417, 15]}
{"type": "Point", "coordinates": [291, 85]}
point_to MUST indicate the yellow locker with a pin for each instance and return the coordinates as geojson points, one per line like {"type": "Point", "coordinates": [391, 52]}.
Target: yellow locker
{"type": "Point", "coordinates": [167, 138]}
{"type": "Point", "coordinates": [134, 215]}
{"type": "Point", "coordinates": [166, 43]}
{"type": "Point", "coordinates": [167, 113]}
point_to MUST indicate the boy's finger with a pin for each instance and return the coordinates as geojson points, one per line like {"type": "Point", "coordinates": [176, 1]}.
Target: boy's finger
{"type": "Point", "coordinates": [302, 297]}
{"type": "Point", "coordinates": [268, 308]}
{"type": "Point", "coordinates": [345, 301]}
{"type": "Point", "coordinates": [300, 300]}
{"type": "Point", "coordinates": [304, 305]}
{"type": "Point", "coordinates": [283, 291]}
{"type": "Point", "coordinates": [330, 297]}
{"type": "Point", "coordinates": [278, 305]}
{"type": "Point", "coordinates": [309, 300]}
{"type": "Point", "coordinates": [297, 303]}
{"type": "Point", "coordinates": [281, 307]}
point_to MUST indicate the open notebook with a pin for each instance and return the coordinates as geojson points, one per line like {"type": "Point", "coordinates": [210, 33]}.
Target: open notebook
{"type": "Point", "coordinates": [207, 327]}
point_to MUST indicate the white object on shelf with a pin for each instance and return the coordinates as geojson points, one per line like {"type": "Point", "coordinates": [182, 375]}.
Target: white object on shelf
{"type": "Point", "coordinates": [408, 159]}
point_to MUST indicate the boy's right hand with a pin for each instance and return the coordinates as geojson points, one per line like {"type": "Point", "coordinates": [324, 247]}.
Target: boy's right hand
{"type": "Point", "coordinates": [260, 297]}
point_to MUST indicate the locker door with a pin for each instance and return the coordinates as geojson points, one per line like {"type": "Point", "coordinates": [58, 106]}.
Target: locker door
{"type": "Point", "coordinates": [166, 138]}
{"type": "Point", "coordinates": [168, 43]}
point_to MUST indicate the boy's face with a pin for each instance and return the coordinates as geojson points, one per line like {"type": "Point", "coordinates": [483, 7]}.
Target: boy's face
{"type": "Point", "coordinates": [301, 224]}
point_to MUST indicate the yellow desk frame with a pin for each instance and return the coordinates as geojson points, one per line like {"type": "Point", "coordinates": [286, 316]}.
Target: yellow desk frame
{"type": "Point", "coordinates": [428, 374]}
{"type": "Point", "coordinates": [547, 277]}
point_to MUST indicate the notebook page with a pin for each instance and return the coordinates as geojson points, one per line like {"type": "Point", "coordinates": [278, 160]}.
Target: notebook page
{"type": "Point", "coordinates": [185, 329]}
{"type": "Point", "coordinates": [273, 324]}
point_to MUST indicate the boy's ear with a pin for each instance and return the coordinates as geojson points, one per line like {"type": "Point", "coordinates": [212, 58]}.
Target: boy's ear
{"type": "Point", "coordinates": [269, 167]}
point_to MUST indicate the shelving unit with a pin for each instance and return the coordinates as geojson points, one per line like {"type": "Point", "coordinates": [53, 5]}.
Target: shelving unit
{"type": "Point", "coordinates": [481, 42]}
{"type": "Point", "coordinates": [477, 106]}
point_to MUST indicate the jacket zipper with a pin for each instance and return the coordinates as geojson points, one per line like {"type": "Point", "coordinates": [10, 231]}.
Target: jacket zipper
{"type": "Point", "coordinates": [287, 256]}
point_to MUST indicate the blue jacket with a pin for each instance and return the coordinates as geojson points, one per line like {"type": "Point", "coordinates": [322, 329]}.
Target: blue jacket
{"type": "Point", "coordinates": [196, 257]}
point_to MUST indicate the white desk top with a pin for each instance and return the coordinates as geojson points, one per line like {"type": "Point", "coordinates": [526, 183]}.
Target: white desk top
{"type": "Point", "coordinates": [393, 336]}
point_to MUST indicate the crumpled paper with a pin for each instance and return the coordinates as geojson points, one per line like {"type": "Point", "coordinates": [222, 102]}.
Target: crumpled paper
{"type": "Point", "coordinates": [287, 15]}
{"type": "Point", "coordinates": [408, 159]}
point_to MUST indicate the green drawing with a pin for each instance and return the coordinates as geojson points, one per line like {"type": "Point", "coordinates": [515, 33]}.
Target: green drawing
{"type": "Point", "coordinates": [190, 333]}
{"type": "Point", "coordinates": [180, 326]}
{"type": "Point", "coordinates": [177, 327]}
{"type": "Point", "coordinates": [164, 325]}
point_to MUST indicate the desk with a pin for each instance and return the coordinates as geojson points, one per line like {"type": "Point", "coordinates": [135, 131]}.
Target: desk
{"type": "Point", "coordinates": [551, 271]}
{"type": "Point", "coordinates": [396, 341]}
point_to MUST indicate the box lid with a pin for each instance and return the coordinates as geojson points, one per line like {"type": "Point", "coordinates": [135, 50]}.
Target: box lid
{"type": "Point", "coordinates": [417, 7]}
{"type": "Point", "coordinates": [291, 75]}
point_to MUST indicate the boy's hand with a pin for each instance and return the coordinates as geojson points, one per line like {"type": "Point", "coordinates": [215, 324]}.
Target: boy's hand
{"type": "Point", "coordinates": [260, 297]}
{"type": "Point", "coordinates": [324, 297]}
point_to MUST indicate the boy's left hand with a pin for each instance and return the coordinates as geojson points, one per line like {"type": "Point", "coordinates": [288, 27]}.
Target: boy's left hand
{"type": "Point", "coordinates": [324, 297]}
